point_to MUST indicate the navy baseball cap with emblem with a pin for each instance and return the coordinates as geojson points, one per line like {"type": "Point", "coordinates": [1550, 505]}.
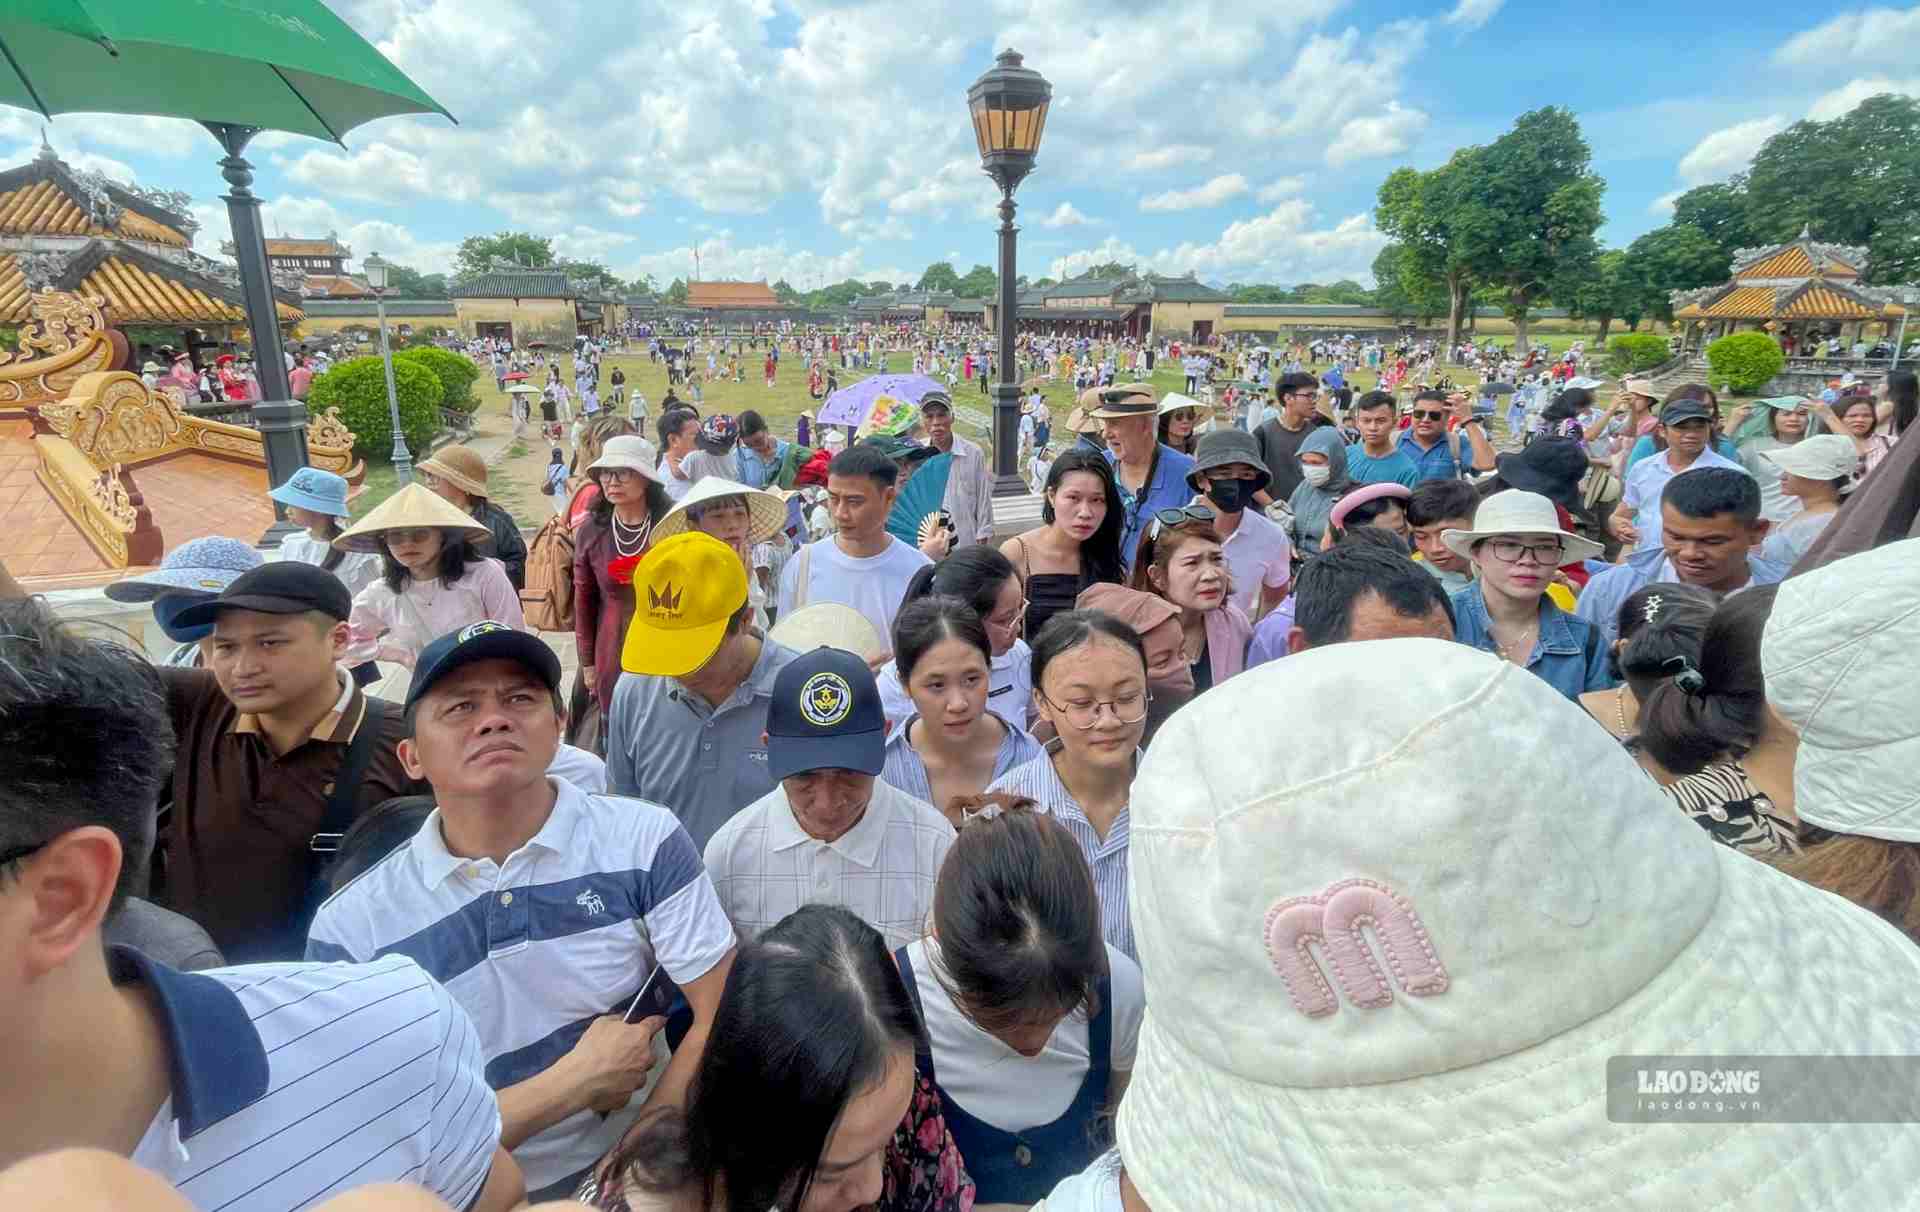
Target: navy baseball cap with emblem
{"type": "Point", "coordinates": [483, 641]}
{"type": "Point", "coordinates": [826, 715]}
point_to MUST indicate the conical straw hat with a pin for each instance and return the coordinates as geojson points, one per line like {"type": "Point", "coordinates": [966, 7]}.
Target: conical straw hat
{"type": "Point", "coordinates": [413, 507]}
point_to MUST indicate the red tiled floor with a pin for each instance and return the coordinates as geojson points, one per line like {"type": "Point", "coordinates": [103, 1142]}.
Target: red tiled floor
{"type": "Point", "coordinates": [189, 496]}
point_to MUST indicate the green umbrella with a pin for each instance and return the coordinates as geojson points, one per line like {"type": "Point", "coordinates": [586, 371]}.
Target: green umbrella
{"type": "Point", "coordinates": [286, 65]}
{"type": "Point", "coordinates": [237, 67]}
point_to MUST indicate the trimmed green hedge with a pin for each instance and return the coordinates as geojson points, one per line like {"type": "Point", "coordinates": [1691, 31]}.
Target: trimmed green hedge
{"type": "Point", "coordinates": [456, 374]}
{"type": "Point", "coordinates": [358, 388]}
{"type": "Point", "coordinates": [1744, 361]}
{"type": "Point", "coordinates": [1630, 353]}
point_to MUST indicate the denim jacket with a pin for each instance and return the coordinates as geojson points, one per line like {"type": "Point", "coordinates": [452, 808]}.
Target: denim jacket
{"type": "Point", "coordinates": [1569, 654]}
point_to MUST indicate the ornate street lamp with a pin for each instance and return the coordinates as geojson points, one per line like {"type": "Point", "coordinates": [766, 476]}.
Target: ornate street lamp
{"type": "Point", "coordinates": [375, 270]}
{"type": "Point", "coordinates": [1009, 105]}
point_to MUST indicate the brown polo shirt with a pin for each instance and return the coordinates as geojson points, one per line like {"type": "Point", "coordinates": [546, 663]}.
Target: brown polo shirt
{"type": "Point", "coordinates": [239, 857]}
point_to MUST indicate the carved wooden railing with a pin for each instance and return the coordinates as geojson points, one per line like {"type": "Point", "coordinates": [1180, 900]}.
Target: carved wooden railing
{"type": "Point", "coordinates": [104, 505]}
{"type": "Point", "coordinates": [65, 337]}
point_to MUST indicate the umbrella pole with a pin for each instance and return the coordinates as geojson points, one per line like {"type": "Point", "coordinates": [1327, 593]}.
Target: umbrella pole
{"type": "Point", "coordinates": [282, 420]}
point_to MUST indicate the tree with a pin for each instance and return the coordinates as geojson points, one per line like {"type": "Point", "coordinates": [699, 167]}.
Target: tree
{"type": "Point", "coordinates": [1719, 210]}
{"type": "Point", "coordinates": [1407, 298]}
{"type": "Point", "coordinates": [1846, 181]}
{"type": "Point", "coordinates": [1602, 295]}
{"type": "Point", "coordinates": [784, 291]}
{"type": "Point", "coordinates": [676, 295]}
{"type": "Point", "coordinates": [877, 287]}
{"type": "Point", "coordinates": [1112, 271]}
{"type": "Point", "coordinates": [1043, 283]}
{"type": "Point", "coordinates": [1259, 293]}
{"type": "Point", "coordinates": [519, 247]}
{"type": "Point", "coordinates": [1419, 211]}
{"type": "Point", "coordinates": [1678, 256]}
{"type": "Point", "coordinates": [939, 276]}
{"type": "Point", "coordinates": [980, 283]}
{"type": "Point", "coordinates": [1529, 212]}
{"type": "Point", "coordinates": [591, 273]}
{"type": "Point", "coordinates": [408, 283]}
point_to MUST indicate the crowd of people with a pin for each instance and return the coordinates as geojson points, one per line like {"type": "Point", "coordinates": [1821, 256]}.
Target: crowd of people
{"type": "Point", "coordinates": [1205, 845]}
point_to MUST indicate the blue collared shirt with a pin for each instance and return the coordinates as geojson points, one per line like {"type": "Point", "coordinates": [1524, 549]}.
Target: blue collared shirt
{"type": "Point", "coordinates": [1569, 654]}
{"type": "Point", "coordinates": [756, 472]}
{"type": "Point", "coordinates": [1443, 460]}
{"type": "Point", "coordinates": [1613, 584]}
{"type": "Point", "coordinates": [1166, 489]}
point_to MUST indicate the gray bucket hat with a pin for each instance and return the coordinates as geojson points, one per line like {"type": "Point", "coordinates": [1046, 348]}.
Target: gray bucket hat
{"type": "Point", "coordinates": [1219, 447]}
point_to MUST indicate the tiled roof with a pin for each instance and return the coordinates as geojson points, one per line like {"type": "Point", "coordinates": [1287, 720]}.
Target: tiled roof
{"type": "Point", "coordinates": [1743, 301]}
{"type": "Point", "coordinates": [338, 286]}
{"type": "Point", "coordinates": [49, 207]}
{"type": "Point", "coordinates": [307, 248]}
{"type": "Point", "coordinates": [1826, 303]}
{"type": "Point", "coordinates": [516, 284]}
{"type": "Point", "coordinates": [731, 294]}
{"type": "Point", "coordinates": [1813, 257]}
{"type": "Point", "coordinates": [139, 288]}
{"type": "Point", "coordinates": [1182, 290]}
{"type": "Point", "coordinates": [1083, 288]}
{"type": "Point", "coordinates": [1790, 262]}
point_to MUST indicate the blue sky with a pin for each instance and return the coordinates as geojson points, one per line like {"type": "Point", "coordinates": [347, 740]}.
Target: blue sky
{"type": "Point", "coordinates": [814, 140]}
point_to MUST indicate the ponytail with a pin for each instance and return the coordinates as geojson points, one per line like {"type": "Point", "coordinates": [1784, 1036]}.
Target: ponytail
{"type": "Point", "coordinates": [1715, 708]}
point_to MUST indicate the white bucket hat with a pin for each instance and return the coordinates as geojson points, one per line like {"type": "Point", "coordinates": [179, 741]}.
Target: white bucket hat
{"type": "Point", "coordinates": [630, 451]}
{"type": "Point", "coordinates": [1841, 654]}
{"type": "Point", "coordinates": [827, 625]}
{"type": "Point", "coordinates": [1824, 456]}
{"type": "Point", "coordinates": [1387, 962]}
{"type": "Point", "coordinates": [766, 511]}
{"type": "Point", "coordinates": [1513, 512]}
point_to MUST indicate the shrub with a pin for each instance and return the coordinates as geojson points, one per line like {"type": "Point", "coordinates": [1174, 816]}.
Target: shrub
{"type": "Point", "coordinates": [1630, 353]}
{"type": "Point", "coordinates": [1744, 361]}
{"type": "Point", "coordinates": [358, 388]}
{"type": "Point", "coordinates": [455, 372]}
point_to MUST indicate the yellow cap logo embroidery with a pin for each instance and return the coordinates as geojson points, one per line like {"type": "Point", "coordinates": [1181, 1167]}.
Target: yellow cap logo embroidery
{"type": "Point", "coordinates": [825, 699]}
{"type": "Point", "coordinates": [665, 600]}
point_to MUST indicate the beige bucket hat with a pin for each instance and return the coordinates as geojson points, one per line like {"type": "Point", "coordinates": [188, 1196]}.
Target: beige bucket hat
{"type": "Point", "coordinates": [1513, 512]}
{"type": "Point", "coordinates": [630, 451]}
{"type": "Point", "coordinates": [414, 507]}
{"type": "Point", "coordinates": [766, 511]}
{"type": "Point", "coordinates": [827, 625]}
{"type": "Point", "coordinates": [1391, 963]}
{"type": "Point", "coordinates": [460, 466]}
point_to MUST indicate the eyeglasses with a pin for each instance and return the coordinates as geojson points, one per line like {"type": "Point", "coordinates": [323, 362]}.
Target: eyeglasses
{"type": "Point", "coordinates": [619, 475]}
{"type": "Point", "coordinates": [1083, 714]}
{"type": "Point", "coordinates": [1013, 623]}
{"type": "Point", "coordinates": [1173, 517]}
{"type": "Point", "coordinates": [1508, 551]}
{"type": "Point", "coordinates": [1429, 414]}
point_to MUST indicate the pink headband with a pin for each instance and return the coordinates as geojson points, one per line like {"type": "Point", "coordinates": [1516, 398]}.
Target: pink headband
{"type": "Point", "coordinates": [1360, 496]}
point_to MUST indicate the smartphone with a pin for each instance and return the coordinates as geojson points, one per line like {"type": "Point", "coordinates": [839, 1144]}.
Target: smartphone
{"type": "Point", "coordinates": [655, 998]}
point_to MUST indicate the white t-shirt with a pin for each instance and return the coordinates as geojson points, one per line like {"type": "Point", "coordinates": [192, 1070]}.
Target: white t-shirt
{"type": "Point", "coordinates": [998, 1085]}
{"type": "Point", "coordinates": [1258, 554]}
{"type": "Point", "coordinates": [873, 586]}
{"type": "Point", "coordinates": [1009, 687]}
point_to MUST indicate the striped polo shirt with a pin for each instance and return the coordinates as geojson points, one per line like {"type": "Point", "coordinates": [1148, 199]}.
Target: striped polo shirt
{"type": "Point", "coordinates": [1040, 782]}
{"type": "Point", "coordinates": [291, 1083]}
{"type": "Point", "coordinates": [536, 948]}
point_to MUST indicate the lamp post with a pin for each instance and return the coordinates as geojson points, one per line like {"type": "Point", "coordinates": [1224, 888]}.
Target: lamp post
{"type": "Point", "coordinates": [376, 272]}
{"type": "Point", "coordinates": [1009, 107]}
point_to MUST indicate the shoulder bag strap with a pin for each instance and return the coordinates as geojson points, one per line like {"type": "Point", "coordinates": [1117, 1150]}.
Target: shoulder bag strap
{"type": "Point", "coordinates": [801, 576]}
{"type": "Point", "coordinates": [346, 783]}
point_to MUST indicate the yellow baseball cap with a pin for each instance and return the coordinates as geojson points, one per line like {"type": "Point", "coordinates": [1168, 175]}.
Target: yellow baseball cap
{"type": "Point", "coordinates": [684, 592]}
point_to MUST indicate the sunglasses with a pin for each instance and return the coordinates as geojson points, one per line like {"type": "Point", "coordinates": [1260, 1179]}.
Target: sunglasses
{"type": "Point", "coordinates": [1163, 518]}
{"type": "Point", "coordinates": [1428, 414]}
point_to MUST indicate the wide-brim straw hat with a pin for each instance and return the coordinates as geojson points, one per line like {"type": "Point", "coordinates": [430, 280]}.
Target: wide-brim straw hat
{"type": "Point", "coordinates": [412, 508]}
{"type": "Point", "coordinates": [1514, 512]}
{"type": "Point", "coordinates": [766, 511]}
{"type": "Point", "coordinates": [631, 451]}
{"type": "Point", "coordinates": [460, 466]}
{"type": "Point", "coordinates": [1388, 963]}
{"type": "Point", "coordinates": [827, 625]}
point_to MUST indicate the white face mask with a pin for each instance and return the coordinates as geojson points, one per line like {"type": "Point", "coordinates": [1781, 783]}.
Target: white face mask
{"type": "Point", "coordinates": [1315, 476]}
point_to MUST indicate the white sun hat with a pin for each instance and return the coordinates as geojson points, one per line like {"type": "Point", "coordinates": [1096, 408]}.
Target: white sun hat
{"type": "Point", "coordinates": [1841, 654]}
{"type": "Point", "coordinates": [1387, 962]}
{"type": "Point", "coordinates": [630, 451]}
{"type": "Point", "coordinates": [829, 625]}
{"type": "Point", "coordinates": [1513, 512]}
{"type": "Point", "coordinates": [1823, 456]}
{"type": "Point", "coordinates": [766, 511]}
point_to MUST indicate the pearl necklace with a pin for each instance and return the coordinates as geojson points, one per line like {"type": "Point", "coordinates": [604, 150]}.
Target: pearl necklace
{"type": "Point", "coordinates": [624, 546]}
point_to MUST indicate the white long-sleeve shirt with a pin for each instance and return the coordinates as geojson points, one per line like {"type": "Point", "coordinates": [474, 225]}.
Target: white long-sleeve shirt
{"type": "Point", "coordinates": [395, 627]}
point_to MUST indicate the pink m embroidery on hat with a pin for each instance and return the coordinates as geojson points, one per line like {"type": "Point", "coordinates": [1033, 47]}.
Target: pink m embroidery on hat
{"type": "Point", "coordinates": [1335, 919]}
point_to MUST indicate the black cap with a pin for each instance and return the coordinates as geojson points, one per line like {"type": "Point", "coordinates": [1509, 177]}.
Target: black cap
{"type": "Point", "coordinates": [1685, 410]}
{"type": "Point", "coordinates": [1552, 467]}
{"type": "Point", "coordinates": [826, 714]}
{"type": "Point", "coordinates": [486, 640]}
{"type": "Point", "coordinates": [282, 587]}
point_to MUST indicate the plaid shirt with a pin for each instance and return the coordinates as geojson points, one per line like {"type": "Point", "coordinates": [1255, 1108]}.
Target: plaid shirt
{"type": "Point", "coordinates": [1040, 782]}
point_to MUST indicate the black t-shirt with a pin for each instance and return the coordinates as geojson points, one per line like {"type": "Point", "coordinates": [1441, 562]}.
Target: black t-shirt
{"type": "Point", "coordinates": [1280, 451]}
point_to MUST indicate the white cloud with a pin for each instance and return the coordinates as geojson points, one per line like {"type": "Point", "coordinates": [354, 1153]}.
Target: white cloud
{"type": "Point", "coordinates": [1387, 133]}
{"type": "Point", "coordinates": [1065, 215]}
{"type": "Point", "coordinates": [1832, 105]}
{"type": "Point", "coordinates": [1280, 246]}
{"type": "Point", "coordinates": [1662, 206]}
{"type": "Point", "coordinates": [1170, 156]}
{"type": "Point", "coordinates": [1854, 39]}
{"type": "Point", "coordinates": [316, 216]}
{"type": "Point", "coordinates": [1282, 187]}
{"type": "Point", "coordinates": [1725, 152]}
{"type": "Point", "coordinates": [1470, 15]}
{"type": "Point", "coordinates": [1211, 193]}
